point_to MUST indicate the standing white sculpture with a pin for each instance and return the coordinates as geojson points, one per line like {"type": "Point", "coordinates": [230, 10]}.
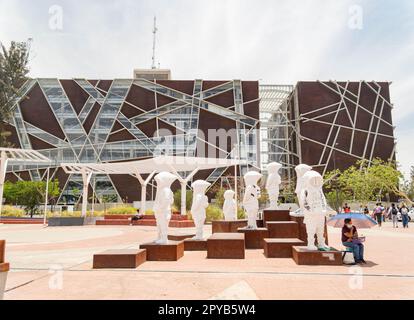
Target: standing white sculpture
{"type": "Point", "coordinates": [315, 207]}
{"type": "Point", "coordinates": [199, 206]}
{"type": "Point", "coordinates": [251, 198]}
{"type": "Point", "coordinates": [273, 184]}
{"type": "Point", "coordinates": [162, 205]}
{"type": "Point", "coordinates": [229, 206]}
{"type": "Point", "coordinates": [300, 172]}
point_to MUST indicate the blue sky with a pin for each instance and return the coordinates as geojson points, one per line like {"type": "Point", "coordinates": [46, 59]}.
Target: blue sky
{"type": "Point", "coordinates": [274, 41]}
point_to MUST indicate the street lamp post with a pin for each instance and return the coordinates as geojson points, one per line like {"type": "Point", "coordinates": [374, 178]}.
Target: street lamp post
{"type": "Point", "coordinates": [235, 178]}
{"type": "Point", "coordinates": [338, 209]}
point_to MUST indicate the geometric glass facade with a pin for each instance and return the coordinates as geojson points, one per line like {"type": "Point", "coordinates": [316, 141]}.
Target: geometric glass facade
{"type": "Point", "coordinates": [338, 123]}
{"type": "Point", "coordinates": [98, 121]}
{"type": "Point", "coordinates": [276, 129]}
{"type": "Point", "coordinates": [326, 125]}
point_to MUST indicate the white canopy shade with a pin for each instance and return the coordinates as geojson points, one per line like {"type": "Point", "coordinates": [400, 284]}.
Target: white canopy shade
{"type": "Point", "coordinates": [173, 164]}
{"type": "Point", "coordinates": [21, 156]}
{"type": "Point", "coordinates": [147, 166]}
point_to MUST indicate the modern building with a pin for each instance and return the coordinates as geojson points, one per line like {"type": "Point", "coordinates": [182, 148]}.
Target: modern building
{"type": "Point", "coordinates": [118, 120]}
{"type": "Point", "coordinates": [327, 125]}
{"type": "Point", "coordinates": [152, 74]}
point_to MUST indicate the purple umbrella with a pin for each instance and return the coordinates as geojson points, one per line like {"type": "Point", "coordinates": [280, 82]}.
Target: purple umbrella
{"type": "Point", "coordinates": [359, 220]}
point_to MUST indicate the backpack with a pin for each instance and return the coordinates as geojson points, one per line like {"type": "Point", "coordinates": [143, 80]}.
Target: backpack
{"type": "Point", "coordinates": [394, 210]}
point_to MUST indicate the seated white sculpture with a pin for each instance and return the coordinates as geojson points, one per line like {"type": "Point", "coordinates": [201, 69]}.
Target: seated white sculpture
{"type": "Point", "coordinates": [164, 198]}
{"type": "Point", "coordinates": [315, 208]}
{"type": "Point", "coordinates": [199, 206]}
{"type": "Point", "coordinates": [273, 184]}
{"type": "Point", "coordinates": [229, 206]}
{"type": "Point", "coordinates": [300, 172]}
{"type": "Point", "coordinates": [251, 198]}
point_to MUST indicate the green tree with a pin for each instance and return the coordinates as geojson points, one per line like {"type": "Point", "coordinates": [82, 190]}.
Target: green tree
{"type": "Point", "coordinates": [365, 181]}
{"type": "Point", "coordinates": [287, 193]}
{"type": "Point", "coordinates": [188, 202]}
{"type": "Point", "coordinates": [53, 190]}
{"type": "Point", "coordinates": [385, 178]}
{"type": "Point", "coordinates": [335, 199]}
{"type": "Point", "coordinates": [408, 185]}
{"type": "Point", "coordinates": [13, 72]}
{"type": "Point", "coordinates": [30, 194]}
{"type": "Point", "coordinates": [219, 198]}
{"type": "Point", "coordinates": [264, 197]}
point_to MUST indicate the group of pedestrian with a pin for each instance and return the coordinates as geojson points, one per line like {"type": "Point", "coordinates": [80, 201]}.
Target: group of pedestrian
{"type": "Point", "coordinates": [393, 215]}
{"type": "Point", "coordinates": [381, 213]}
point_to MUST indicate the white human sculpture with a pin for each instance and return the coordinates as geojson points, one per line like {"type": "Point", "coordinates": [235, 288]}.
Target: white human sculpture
{"type": "Point", "coordinates": [199, 206]}
{"type": "Point", "coordinates": [300, 172]}
{"type": "Point", "coordinates": [229, 206]}
{"type": "Point", "coordinates": [273, 184]}
{"type": "Point", "coordinates": [315, 207]}
{"type": "Point", "coordinates": [162, 205]}
{"type": "Point", "coordinates": [251, 198]}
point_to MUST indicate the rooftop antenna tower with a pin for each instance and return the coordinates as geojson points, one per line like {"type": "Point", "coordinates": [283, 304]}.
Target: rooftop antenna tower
{"type": "Point", "coordinates": [154, 32]}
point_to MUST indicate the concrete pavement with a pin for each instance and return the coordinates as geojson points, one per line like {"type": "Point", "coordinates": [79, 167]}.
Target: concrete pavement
{"type": "Point", "coordinates": [56, 263]}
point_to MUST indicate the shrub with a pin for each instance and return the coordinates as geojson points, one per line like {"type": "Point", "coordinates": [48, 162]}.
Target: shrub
{"type": "Point", "coordinates": [149, 212]}
{"type": "Point", "coordinates": [241, 214]}
{"type": "Point", "coordinates": [10, 211]}
{"type": "Point", "coordinates": [214, 213]}
{"type": "Point", "coordinates": [177, 199]}
{"type": "Point", "coordinates": [30, 194]}
{"type": "Point", "coordinates": [264, 197]}
{"type": "Point", "coordinates": [219, 198]}
{"type": "Point", "coordinates": [74, 214]}
{"type": "Point", "coordinates": [122, 210]}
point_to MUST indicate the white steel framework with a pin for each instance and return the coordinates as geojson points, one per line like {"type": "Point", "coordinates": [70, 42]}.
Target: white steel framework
{"type": "Point", "coordinates": [276, 129]}
{"type": "Point", "coordinates": [173, 164]}
{"type": "Point", "coordinates": [79, 145]}
{"type": "Point", "coordinates": [346, 100]}
{"type": "Point", "coordinates": [17, 156]}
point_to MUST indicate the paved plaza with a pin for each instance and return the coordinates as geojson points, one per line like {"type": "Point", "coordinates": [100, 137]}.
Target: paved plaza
{"type": "Point", "coordinates": [56, 263]}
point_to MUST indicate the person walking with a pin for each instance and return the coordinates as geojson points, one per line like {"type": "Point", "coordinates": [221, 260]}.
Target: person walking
{"type": "Point", "coordinates": [404, 215]}
{"type": "Point", "coordinates": [393, 212]}
{"type": "Point", "coordinates": [378, 212]}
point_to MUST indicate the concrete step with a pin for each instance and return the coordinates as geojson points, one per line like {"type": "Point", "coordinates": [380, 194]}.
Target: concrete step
{"type": "Point", "coordinates": [21, 221]}
{"type": "Point", "coordinates": [254, 238]}
{"type": "Point", "coordinates": [275, 215]}
{"type": "Point", "coordinates": [283, 229]}
{"type": "Point", "coordinates": [222, 226]}
{"type": "Point", "coordinates": [226, 246]}
{"type": "Point", "coordinates": [281, 247]}
{"type": "Point", "coordinates": [172, 251]}
{"type": "Point", "coordinates": [174, 217]}
{"type": "Point", "coordinates": [195, 245]}
{"type": "Point", "coordinates": [145, 222]}
{"type": "Point", "coordinates": [303, 256]}
{"type": "Point", "coordinates": [119, 259]}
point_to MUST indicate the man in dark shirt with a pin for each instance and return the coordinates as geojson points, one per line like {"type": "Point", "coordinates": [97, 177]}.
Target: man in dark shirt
{"type": "Point", "coordinates": [350, 240]}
